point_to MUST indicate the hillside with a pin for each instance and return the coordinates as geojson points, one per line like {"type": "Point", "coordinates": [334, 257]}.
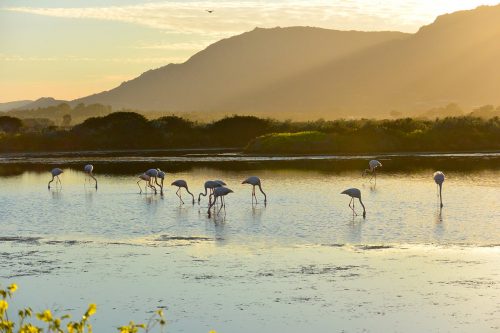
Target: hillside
{"type": "Point", "coordinates": [335, 73]}
{"type": "Point", "coordinates": [13, 105]}
{"type": "Point", "coordinates": [232, 67]}
{"type": "Point", "coordinates": [455, 59]}
{"type": "Point", "coordinates": [42, 102]}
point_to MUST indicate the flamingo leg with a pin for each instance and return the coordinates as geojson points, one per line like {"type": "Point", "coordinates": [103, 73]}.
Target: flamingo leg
{"type": "Point", "coordinates": [352, 207]}
{"type": "Point", "coordinates": [151, 186]}
{"type": "Point", "coordinates": [140, 189]}
{"type": "Point", "coordinates": [179, 195]}
{"type": "Point", "coordinates": [210, 205]}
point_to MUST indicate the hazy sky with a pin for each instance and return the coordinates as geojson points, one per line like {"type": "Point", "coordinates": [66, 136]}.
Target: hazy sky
{"type": "Point", "coordinates": [68, 49]}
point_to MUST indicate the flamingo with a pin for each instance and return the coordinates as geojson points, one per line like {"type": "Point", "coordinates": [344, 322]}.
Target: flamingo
{"type": "Point", "coordinates": [153, 173]}
{"type": "Point", "coordinates": [209, 185]}
{"type": "Point", "coordinates": [180, 183]}
{"type": "Point", "coordinates": [439, 179]}
{"type": "Point", "coordinates": [255, 181]}
{"type": "Point", "coordinates": [161, 175]}
{"type": "Point", "coordinates": [355, 193]}
{"type": "Point", "coordinates": [219, 192]}
{"type": "Point", "coordinates": [147, 179]}
{"type": "Point", "coordinates": [373, 164]}
{"type": "Point", "coordinates": [220, 182]}
{"type": "Point", "coordinates": [55, 175]}
{"type": "Point", "coordinates": [88, 170]}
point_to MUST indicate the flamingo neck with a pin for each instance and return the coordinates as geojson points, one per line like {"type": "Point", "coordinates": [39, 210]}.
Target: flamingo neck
{"type": "Point", "coordinates": [364, 210]}
{"type": "Point", "coordinates": [265, 196]}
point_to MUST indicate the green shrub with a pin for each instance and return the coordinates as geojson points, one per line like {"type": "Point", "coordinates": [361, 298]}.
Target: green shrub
{"type": "Point", "coordinates": [29, 321]}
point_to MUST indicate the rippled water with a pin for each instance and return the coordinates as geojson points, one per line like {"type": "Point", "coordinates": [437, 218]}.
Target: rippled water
{"type": "Point", "coordinates": [304, 206]}
{"type": "Point", "coordinates": [302, 251]}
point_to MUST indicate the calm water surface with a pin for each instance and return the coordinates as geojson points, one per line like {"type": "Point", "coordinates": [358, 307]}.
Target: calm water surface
{"type": "Point", "coordinates": [280, 266]}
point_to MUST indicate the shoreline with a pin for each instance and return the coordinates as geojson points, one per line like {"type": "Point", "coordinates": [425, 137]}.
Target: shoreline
{"type": "Point", "coordinates": [222, 151]}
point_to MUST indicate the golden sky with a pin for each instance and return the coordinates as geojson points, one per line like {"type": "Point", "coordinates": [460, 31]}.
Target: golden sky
{"type": "Point", "coordinates": [69, 49]}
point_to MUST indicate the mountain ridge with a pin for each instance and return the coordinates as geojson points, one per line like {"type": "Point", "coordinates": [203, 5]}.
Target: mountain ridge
{"type": "Point", "coordinates": [329, 73]}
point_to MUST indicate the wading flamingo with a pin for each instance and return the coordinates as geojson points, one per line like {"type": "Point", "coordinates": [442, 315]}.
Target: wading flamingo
{"type": "Point", "coordinates": [55, 175]}
{"type": "Point", "coordinates": [147, 179]}
{"type": "Point", "coordinates": [209, 185]}
{"type": "Point", "coordinates": [219, 192]}
{"type": "Point", "coordinates": [439, 179]}
{"type": "Point", "coordinates": [161, 175]}
{"type": "Point", "coordinates": [153, 174]}
{"type": "Point", "coordinates": [180, 183]}
{"type": "Point", "coordinates": [88, 170]}
{"type": "Point", "coordinates": [255, 181]}
{"type": "Point", "coordinates": [355, 193]}
{"type": "Point", "coordinates": [373, 164]}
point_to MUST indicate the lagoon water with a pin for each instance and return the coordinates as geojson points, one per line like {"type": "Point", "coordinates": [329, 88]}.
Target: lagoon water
{"type": "Point", "coordinates": [300, 263]}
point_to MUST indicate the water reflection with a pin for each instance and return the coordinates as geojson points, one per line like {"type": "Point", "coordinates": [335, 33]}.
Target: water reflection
{"type": "Point", "coordinates": [439, 226]}
{"type": "Point", "coordinates": [306, 207]}
{"type": "Point", "coordinates": [89, 196]}
{"type": "Point", "coordinates": [14, 165]}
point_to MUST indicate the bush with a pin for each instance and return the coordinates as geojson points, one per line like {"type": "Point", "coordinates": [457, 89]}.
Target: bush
{"type": "Point", "coordinates": [29, 321]}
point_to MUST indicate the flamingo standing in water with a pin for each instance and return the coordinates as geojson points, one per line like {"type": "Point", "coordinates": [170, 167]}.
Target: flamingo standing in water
{"type": "Point", "coordinates": [161, 175]}
{"type": "Point", "coordinates": [147, 179]}
{"type": "Point", "coordinates": [439, 179]}
{"type": "Point", "coordinates": [153, 174]}
{"type": "Point", "coordinates": [181, 183]}
{"type": "Point", "coordinates": [209, 185]}
{"type": "Point", "coordinates": [88, 170]}
{"type": "Point", "coordinates": [219, 192]}
{"type": "Point", "coordinates": [255, 181]}
{"type": "Point", "coordinates": [355, 193]}
{"type": "Point", "coordinates": [373, 164]}
{"type": "Point", "coordinates": [55, 175]}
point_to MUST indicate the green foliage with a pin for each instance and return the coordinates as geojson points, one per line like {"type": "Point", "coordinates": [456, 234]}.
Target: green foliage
{"type": "Point", "coordinates": [310, 141]}
{"type": "Point", "coordinates": [449, 134]}
{"type": "Point", "coordinates": [129, 130]}
{"type": "Point", "coordinates": [48, 323]}
{"type": "Point", "coordinates": [10, 124]}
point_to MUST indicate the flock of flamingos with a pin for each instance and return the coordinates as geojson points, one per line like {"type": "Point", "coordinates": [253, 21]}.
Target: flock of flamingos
{"type": "Point", "coordinates": [216, 189]}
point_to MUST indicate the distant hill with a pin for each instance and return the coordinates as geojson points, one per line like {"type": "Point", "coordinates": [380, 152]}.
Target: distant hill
{"type": "Point", "coordinates": [239, 65]}
{"type": "Point", "coordinates": [42, 102]}
{"type": "Point", "coordinates": [456, 59]}
{"type": "Point", "coordinates": [13, 105]}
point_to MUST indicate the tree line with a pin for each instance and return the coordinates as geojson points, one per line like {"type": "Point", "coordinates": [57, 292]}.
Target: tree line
{"type": "Point", "coordinates": [129, 130]}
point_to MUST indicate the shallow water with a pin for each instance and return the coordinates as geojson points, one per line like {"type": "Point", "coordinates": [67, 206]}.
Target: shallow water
{"type": "Point", "coordinates": [301, 262]}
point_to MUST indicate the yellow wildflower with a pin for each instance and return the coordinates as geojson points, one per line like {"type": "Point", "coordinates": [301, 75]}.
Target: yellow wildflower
{"type": "Point", "coordinates": [45, 316]}
{"type": "Point", "coordinates": [12, 288]}
{"type": "Point", "coordinates": [3, 306]}
{"type": "Point", "coordinates": [90, 311]}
